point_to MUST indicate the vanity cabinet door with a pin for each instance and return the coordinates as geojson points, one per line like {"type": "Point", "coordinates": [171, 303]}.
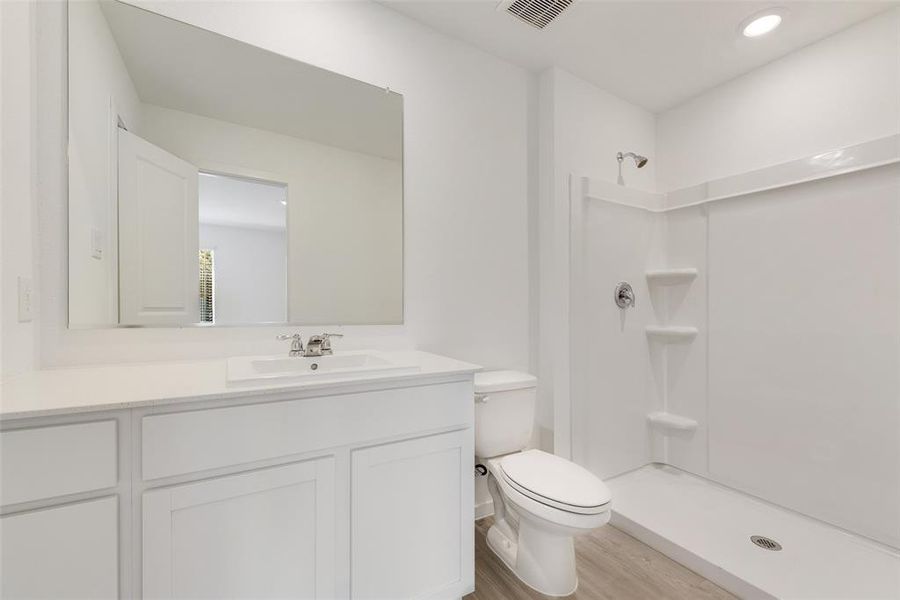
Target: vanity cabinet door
{"type": "Point", "coordinates": [412, 518]}
{"type": "Point", "coordinates": [68, 551]}
{"type": "Point", "coordinates": [263, 534]}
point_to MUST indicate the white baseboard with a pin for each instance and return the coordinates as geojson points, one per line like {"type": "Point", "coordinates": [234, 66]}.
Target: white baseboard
{"type": "Point", "coordinates": [484, 509]}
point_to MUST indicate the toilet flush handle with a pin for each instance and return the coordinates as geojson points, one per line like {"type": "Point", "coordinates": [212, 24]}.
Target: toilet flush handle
{"type": "Point", "coordinates": [481, 398]}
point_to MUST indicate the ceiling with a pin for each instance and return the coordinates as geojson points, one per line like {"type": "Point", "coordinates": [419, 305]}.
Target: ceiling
{"type": "Point", "coordinates": [654, 54]}
{"type": "Point", "coordinates": [236, 202]}
{"type": "Point", "coordinates": [186, 68]}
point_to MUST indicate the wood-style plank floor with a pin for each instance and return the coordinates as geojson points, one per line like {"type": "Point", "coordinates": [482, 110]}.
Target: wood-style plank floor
{"type": "Point", "coordinates": [611, 565]}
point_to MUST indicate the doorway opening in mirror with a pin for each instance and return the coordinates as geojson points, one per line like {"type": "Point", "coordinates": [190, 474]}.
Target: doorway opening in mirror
{"type": "Point", "coordinates": [243, 226]}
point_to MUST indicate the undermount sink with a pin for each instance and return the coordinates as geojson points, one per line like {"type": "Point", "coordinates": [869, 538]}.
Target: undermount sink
{"type": "Point", "coordinates": [340, 365]}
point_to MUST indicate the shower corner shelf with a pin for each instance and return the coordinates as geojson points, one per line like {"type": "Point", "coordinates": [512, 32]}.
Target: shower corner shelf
{"type": "Point", "coordinates": [671, 276]}
{"type": "Point", "coordinates": [665, 420]}
{"type": "Point", "coordinates": [671, 333]}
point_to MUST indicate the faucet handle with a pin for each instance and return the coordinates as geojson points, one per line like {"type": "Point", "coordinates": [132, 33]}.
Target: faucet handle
{"type": "Point", "coordinates": [326, 340]}
{"type": "Point", "coordinates": [296, 342]}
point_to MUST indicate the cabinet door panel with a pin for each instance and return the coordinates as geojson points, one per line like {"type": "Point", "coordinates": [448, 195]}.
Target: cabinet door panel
{"type": "Point", "coordinates": [412, 518]}
{"type": "Point", "coordinates": [263, 534]}
{"type": "Point", "coordinates": [69, 551]}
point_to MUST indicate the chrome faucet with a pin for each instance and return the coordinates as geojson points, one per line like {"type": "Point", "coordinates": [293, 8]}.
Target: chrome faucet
{"type": "Point", "coordinates": [320, 345]}
{"type": "Point", "coordinates": [296, 343]}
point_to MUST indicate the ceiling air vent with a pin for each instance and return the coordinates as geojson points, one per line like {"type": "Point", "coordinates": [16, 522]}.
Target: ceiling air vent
{"type": "Point", "coordinates": [537, 13]}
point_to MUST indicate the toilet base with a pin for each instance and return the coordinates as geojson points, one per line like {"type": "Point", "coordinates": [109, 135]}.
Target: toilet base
{"type": "Point", "coordinates": [541, 560]}
{"type": "Point", "coordinates": [503, 547]}
{"type": "Point", "coordinates": [536, 541]}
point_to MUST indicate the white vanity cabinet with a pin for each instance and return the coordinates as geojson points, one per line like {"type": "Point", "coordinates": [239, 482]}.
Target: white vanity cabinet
{"type": "Point", "coordinates": [357, 489]}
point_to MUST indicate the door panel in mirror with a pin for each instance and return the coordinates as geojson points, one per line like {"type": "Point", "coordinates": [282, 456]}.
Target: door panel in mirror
{"type": "Point", "coordinates": [158, 229]}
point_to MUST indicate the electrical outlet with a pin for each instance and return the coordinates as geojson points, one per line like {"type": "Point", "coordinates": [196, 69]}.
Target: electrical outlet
{"type": "Point", "coordinates": [26, 300]}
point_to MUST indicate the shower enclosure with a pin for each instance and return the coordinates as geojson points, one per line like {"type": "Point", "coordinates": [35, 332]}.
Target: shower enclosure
{"type": "Point", "coordinates": [753, 389]}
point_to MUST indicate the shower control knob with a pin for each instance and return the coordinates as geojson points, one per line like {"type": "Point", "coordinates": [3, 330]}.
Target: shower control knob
{"type": "Point", "coordinates": [624, 295]}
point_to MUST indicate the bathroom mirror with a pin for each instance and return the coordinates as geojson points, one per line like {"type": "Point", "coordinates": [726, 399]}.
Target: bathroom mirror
{"type": "Point", "coordinates": [215, 183]}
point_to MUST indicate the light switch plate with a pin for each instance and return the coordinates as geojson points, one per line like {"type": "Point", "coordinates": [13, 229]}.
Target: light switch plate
{"type": "Point", "coordinates": [26, 300]}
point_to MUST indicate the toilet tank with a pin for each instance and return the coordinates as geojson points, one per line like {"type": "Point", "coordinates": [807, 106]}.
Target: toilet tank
{"type": "Point", "coordinates": [504, 412]}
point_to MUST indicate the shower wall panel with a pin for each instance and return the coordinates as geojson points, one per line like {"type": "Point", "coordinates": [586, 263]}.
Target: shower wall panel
{"type": "Point", "coordinates": [804, 348]}
{"type": "Point", "coordinates": [611, 390]}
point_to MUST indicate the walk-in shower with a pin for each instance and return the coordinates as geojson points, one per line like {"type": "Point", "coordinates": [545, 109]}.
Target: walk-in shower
{"type": "Point", "coordinates": [750, 401]}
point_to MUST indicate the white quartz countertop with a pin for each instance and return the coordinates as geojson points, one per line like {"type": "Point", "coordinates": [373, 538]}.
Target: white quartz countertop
{"type": "Point", "coordinates": [109, 387]}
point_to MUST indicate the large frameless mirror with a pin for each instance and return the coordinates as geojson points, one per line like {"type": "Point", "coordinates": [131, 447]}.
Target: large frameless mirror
{"type": "Point", "coordinates": [212, 182]}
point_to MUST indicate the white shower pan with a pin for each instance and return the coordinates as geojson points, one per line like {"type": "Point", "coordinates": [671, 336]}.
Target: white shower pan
{"type": "Point", "coordinates": [707, 527]}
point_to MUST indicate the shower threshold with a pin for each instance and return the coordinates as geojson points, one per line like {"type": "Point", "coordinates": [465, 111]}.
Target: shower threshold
{"type": "Point", "coordinates": [708, 528]}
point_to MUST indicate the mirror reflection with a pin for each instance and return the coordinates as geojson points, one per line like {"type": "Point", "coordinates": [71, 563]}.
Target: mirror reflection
{"type": "Point", "coordinates": [215, 183]}
{"type": "Point", "coordinates": [243, 250]}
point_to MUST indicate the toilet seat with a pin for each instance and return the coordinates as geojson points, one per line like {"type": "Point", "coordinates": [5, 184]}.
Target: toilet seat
{"type": "Point", "coordinates": [555, 482]}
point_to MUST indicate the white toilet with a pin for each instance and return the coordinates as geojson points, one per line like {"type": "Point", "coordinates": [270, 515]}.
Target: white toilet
{"type": "Point", "coordinates": [541, 501]}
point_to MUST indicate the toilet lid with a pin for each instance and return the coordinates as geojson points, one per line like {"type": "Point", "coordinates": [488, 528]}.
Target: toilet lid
{"type": "Point", "coordinates": [546, 476]}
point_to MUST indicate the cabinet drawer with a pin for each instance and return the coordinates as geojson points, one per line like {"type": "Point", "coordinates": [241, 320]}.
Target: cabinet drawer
{"type": "Point", "coordinates": [187, 442]}
{"type": "Point", "coordinates": [45, 462]}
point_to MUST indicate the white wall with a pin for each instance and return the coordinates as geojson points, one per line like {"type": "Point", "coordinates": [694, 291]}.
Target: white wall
{"type": "Point", "coordinates": [465, 182]}
{"type": "Point", "coordinates": [345, 215]}
{"type": "Point", "coordinates": [581, 129]}
{"type": "Point", "coordinates": [100, 91]}
{"type": "Point", "coordinates": [840, 91]}
{"type": "Point", "coordinates": [17, 181]}
{"type": "Point", "coordinates": [250, 270]}
{"type": "Point", "coordinates": [591, 126]}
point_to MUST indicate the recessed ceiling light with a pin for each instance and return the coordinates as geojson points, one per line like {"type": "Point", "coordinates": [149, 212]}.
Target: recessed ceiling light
{"type": "Point", "coordinates": [762, 23]}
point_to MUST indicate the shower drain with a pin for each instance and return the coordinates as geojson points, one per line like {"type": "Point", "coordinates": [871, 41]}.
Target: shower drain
{"type": "Point", "coordinates": [765, 543]}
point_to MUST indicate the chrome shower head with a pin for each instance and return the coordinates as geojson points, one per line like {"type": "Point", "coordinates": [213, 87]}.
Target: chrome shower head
{"type": "Point", "coordinates": [639, 161]}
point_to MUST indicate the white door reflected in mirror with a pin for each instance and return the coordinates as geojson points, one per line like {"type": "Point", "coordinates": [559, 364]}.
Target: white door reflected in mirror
{"type": "Point", "coordinates": [158, 266]}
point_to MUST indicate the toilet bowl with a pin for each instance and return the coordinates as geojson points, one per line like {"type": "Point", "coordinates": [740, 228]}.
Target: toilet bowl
{"type": "Point", "coordinates": [541, 501]}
